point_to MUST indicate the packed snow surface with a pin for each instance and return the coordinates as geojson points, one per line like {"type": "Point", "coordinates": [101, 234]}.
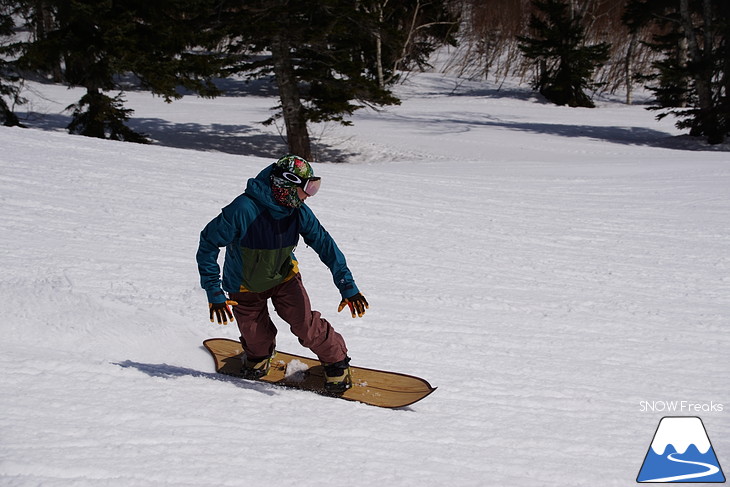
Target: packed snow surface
{"type": "Point", "coordinates": [561, 275]}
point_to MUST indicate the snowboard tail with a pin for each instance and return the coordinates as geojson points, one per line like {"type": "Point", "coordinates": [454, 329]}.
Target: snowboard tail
{"type": "Point", "coordinates": [370, 386]}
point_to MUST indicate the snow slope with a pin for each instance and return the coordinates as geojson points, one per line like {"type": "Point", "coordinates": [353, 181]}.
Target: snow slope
{"type": "Point", "coordinates": [547, 268]}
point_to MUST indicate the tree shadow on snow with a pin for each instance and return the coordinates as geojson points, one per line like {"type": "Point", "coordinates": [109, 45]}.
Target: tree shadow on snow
{"type": "Point", "coordinates": [626, 134]}
{"type": "Point", "coordinates": [620, 135]}
{"type": "Point", "coordinates": [167, 371]}
{"type": "Point", "coordinates": [244, 140]}
{"type": "Point", "coordinates": [227, 138]}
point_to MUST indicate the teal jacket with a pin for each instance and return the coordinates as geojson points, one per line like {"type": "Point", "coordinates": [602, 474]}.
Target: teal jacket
{"type": "Point", "coordinates": [260, 236]}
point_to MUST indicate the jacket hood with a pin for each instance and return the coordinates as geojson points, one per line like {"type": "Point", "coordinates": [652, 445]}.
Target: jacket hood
{"type": "Point", "coordinates": [259, 188]}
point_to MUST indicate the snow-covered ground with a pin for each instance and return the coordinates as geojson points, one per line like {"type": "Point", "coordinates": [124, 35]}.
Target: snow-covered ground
{"type": "Point", "coordinates": [559, 274]}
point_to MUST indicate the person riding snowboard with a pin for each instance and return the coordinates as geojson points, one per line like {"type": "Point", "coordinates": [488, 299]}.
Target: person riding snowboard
{"type": "Point", "coordinates": [260, 230]}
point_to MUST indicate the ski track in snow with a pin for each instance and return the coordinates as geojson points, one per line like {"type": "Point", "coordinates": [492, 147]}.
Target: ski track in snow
{"type": "Point", "coordinates": [546, 268]}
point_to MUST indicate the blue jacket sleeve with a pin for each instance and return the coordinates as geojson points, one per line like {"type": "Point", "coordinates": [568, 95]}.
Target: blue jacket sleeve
{"type": "Point", "coordinates": [218, 233]}
{"type": "Point", "coordinates": [320, 240]}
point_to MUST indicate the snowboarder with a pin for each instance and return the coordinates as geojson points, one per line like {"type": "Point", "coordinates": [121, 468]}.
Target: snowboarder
{"type": "Point", "coordinates": [260, 230]}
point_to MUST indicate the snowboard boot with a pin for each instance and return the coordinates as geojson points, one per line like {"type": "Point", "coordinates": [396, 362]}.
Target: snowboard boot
{"type": "Point", "coordinates": [337, 377]}
{"type": "Point", "coordinates": [256, 368]}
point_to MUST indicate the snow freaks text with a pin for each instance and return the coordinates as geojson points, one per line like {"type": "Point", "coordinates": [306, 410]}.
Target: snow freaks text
{"type": "Point", "coordinates": [680, 407]}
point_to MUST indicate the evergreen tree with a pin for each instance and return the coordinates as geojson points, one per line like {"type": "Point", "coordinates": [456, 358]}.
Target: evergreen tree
{"type": "Point", "coordinates": [328, 58]}
{"type": "Point", "coordinates": [8, 77]}
{"type": "Point", "coordinates": [558, 44]}
{"type": "Point", "coordinates": [97, 41]}
{"type": "Point", "coordinates": [691, 79]}
{"type": "Point", "coordinates": [314, 52]}
{"type": "Point", "coordinates": [723, 61]}
{"type": "Point", "coordinates": [99, 115]}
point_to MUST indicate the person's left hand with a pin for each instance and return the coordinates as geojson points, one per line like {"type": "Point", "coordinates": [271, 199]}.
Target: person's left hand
{"type": "Point", "coordinates": [221, 311]}
{"type": "Point", "coordinates": [357, 304]}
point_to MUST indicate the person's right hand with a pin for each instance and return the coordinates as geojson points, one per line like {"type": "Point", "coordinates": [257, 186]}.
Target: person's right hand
{"type": "Point", "coordinates": [221, 311]}
{"type": "Point", "coordinates": [357, 304]}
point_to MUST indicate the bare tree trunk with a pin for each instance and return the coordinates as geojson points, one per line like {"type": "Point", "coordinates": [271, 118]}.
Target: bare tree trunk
{"type": "Point", "coordinates": [703, 76]}
{"type": "Point", "coordinates": [713, 130]}
{"type": "Point", "coordinates": [630, 70]}
{"type": "Point", "coordinates": [409, 39]}
{"type": "Point", "coordinates": [44, 24]}
{"type": "Point", "coordinates": [379, 46]}
{"type": "Point", "coordinates": [294, 118]}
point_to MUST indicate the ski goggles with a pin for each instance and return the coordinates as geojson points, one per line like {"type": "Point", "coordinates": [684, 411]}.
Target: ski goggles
{"type": "Point", "coordinates": [309, 185]}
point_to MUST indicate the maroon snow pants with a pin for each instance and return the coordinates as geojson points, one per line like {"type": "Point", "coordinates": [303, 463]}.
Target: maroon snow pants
{"type": "Point", "coordinates": [291, 302]}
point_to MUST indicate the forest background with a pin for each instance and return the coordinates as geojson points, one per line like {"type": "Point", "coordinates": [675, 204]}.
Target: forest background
{"type": "Point", "coordinates": [329, 58]}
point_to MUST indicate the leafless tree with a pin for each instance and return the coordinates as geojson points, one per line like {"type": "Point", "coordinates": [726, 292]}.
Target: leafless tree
{"type": "Point", "coordinates": [489, 46]}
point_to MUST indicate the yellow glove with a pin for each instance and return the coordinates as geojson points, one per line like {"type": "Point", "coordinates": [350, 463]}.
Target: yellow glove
{"type": "Point", "coordinates": [222, 312]}
{"type": "Point", "coordinates": [357, 304]}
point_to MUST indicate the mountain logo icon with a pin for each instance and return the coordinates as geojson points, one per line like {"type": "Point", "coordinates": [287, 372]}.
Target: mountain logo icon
{"type": "Point", "coordinates": [681, 452]}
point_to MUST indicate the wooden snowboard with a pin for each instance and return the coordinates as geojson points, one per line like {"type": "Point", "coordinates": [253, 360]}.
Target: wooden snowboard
{"type": "Point", "coordinates": [369, 386]}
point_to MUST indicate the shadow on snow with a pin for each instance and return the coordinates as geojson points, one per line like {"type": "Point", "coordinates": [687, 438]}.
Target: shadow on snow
{"type": "Point", "coordinates": [167, 371]}
{"type": "Point", "coordinates": [244, 140]}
